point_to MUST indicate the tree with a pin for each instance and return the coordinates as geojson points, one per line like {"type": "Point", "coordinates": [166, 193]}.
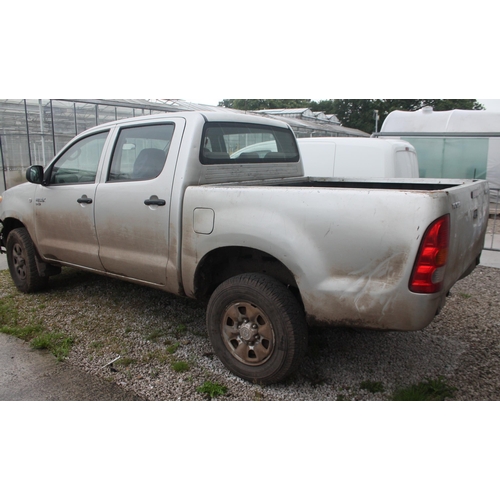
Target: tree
{"type": "Point", "coordinates": [326, 106]}
{"type": "Point", "coordinates": [354, 113]}
{"type": "Point", "coordinates": [257, 104]}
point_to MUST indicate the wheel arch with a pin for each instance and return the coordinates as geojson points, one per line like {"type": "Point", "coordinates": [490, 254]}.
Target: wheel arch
{"type": "Point", "coordinates": [224, 263]}
{"type": "Point", "coordinates": [9, 224]}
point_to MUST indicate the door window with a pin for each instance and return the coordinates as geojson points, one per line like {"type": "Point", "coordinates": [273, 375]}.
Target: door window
{"type": "Point", "coordinates": [140, 153]}
{"type": "Point", "coordinates": [80, 162]}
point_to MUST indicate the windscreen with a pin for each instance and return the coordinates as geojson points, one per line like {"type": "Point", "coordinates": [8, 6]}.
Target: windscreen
{"type": "Point", "coordinates": [231, 143]}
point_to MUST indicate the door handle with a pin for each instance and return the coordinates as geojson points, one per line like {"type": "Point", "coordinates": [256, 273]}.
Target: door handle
{"type": "Point", "coordinates": [84, 199]}
{"type": "Point", "coordinates": [155, 202]}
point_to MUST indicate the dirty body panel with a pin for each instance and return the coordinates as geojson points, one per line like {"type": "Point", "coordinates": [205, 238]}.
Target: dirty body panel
{"type": "Point", "coordinates": [347, 247]}
{"type": "Point", "coordinates": [351, 250]}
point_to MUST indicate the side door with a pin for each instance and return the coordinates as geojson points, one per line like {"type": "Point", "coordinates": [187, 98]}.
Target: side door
{"type": "Point", "coordinates": [133, 201]}
{"type": "Point", "coordinates": [64, 207]}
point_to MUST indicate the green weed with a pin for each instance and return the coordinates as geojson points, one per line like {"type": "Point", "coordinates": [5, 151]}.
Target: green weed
{"type": "Point", "coordinates": [125, 362]}
{"type": "Point", "coordinates": [429, 390]}
{"type": "Point", "coordinates": [156, 334]}
{"type": "Point", "coordinates": [212, 389]}
{"type": "Point", "coordinates": [56, 343]}
{"type": "Point", "coordinates": [172, 349]}
{"type": "Point", "coordinates": [371, 386]}
{"type": "Point", "coordinates": [180, 366]}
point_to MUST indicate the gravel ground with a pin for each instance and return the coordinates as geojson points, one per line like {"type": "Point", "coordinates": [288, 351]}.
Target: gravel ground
{"type": "Point", "coordinates": [151, 331]}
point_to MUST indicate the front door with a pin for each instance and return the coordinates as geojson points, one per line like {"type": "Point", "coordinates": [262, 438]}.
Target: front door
{"type": "Point", "coordinates": [64, 209]}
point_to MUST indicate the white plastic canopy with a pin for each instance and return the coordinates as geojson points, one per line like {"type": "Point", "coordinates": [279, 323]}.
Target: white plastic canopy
{"type": "Point", "coordinates": [461, 127]}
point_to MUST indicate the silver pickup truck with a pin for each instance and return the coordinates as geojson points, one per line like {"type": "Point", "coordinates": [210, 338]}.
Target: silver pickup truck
{"type": "Point", "coordinates": [180, 202]}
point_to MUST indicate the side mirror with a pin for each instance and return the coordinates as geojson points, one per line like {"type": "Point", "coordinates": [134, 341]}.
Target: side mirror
{"type": "Point", "coordinates": [34, 174]}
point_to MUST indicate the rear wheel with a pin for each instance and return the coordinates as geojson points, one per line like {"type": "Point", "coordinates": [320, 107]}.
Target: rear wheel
{"type": "Point", "coordinates": [257, 328]}
{"type": "Point", "coordinates": [22, 262]}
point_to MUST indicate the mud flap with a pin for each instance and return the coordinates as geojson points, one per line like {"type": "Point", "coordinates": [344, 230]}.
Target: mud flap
{"type": "Point", "coordinates": [44, 269]}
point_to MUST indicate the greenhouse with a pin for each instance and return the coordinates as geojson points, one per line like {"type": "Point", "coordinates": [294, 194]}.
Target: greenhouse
{"type": "Point", "coordinates": [33, 131]}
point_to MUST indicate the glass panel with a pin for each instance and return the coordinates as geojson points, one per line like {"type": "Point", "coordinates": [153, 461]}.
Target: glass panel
{"type": "Point", "coordinates": [64, 117]}
{"type": "Point", "coordinates": [124, 113]}
{"type": "Point", "coordinates": [13, 118]}
{"type": "Point", "coordinates": [465, 158]}
{"type": "Point", "coordinates": [451, 158]}
{"type": "Point", "coordinates": [140, 153]}
{"type": "Point", "coordinates": [85, 116]}
{"type": "Point", "coordinates": [234, 143]}
{"type": "Point", "coordinates": [106, 114]}
{"type": "Point", "coordinates": [62, 140]}
{"type": "Point", "coordinates": [42, 149]}
{"type": "Point", "coordinates": [16, 158]}
{"type": "Point", "coordinates": [80, 163]}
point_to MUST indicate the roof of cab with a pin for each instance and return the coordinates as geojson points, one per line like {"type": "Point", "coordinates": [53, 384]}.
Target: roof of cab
{"type": "Point", "coordinates": [208, 116]}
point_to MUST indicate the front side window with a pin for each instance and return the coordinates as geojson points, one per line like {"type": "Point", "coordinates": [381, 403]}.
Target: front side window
{"type": "Point", "coordinates": [80, 162]}
{"type": "Point", "coordinates": [140, 153]}
{"type": "Point", "coordinates": [227, 143]}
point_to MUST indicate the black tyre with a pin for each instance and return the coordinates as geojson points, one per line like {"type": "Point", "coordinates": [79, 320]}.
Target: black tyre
{"type": "Point", "coordinates": [22, 263]}
{"type": "Point", "coordinates": [257, 328]}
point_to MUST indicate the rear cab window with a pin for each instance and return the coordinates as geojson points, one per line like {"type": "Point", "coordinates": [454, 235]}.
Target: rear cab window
{"type": "Point", "coordinates": [232, 143]}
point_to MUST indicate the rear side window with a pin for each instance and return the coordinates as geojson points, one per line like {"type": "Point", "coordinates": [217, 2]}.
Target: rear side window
{"type": "Point", "coordinates": [226, 143]}
{"type": "Point", "coordinates": [140, 153]}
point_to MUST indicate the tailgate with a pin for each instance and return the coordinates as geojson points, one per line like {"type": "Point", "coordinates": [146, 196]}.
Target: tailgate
{"type": "Point", "coordinates": [469, 205]}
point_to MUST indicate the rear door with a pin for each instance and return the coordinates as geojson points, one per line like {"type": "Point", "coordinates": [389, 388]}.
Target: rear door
{"type": "Point", "coordinates": [133, 201]}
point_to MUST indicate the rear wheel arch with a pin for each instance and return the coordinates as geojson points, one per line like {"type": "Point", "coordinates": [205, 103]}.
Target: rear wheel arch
{"type": "Point", "coordinates": [221, 264]}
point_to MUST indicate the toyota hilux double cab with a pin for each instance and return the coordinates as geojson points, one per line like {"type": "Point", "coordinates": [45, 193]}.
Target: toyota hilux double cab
{"type": "Point", "coordinates": [163, 201]}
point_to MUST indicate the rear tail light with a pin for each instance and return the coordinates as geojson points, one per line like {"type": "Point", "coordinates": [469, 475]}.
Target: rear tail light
{"type": "Point", "coordinates": [428, 272]}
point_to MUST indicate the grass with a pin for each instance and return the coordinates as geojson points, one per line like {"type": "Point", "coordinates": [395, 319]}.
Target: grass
{"type": "Point", "coordinates": [372, 387]}
{"type": "Point", "coordinates": [172, 349]}
{"type": "Point", "coordinates": [58, 344]}
{"type": "Point", "coordinates": [212, 389]}
{"type": "Point", "coordinates": [180, 366]}
{"type": "Point", "coordinates": [125, 362]}
{"type": "Point", "coordinates": [32, 330]}
{"type": "Point", "coordinates": [156, 334]}
{"type": "Point", "coordinates": [429, 390]}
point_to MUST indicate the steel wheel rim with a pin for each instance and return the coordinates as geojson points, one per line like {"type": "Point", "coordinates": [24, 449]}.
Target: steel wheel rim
{"type": "Point", "coordinates": [248, 333]}
{"type": "Point", "coordinates": [19, 261]}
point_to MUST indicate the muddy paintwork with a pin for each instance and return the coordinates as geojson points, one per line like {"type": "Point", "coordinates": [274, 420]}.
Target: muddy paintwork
{"type": "Point", "coordinates": [351, 251]}
{"type": "Point", "coordinates": [350, 246]}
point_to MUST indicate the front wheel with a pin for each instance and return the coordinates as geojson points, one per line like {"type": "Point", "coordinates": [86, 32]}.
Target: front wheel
{"type": "Point", "coordinates": [257, 328]}
{"type": "Point", "coordinates": [22, 262]}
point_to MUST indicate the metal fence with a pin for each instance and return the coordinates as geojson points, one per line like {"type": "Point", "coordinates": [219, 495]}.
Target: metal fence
{"type": "Point", "coordinates": [492, 241]}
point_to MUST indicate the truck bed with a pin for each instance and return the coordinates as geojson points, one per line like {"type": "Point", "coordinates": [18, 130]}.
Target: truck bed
{"type": "Point", "coordinates": [350, 245]}
{"type": "Point", "coordinates": [327, 182]}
